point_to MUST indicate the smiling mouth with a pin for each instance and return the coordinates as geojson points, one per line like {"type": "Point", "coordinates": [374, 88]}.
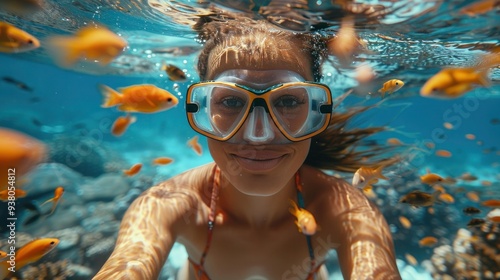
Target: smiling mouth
{"type": "Point", "coordinates": [258, 164]}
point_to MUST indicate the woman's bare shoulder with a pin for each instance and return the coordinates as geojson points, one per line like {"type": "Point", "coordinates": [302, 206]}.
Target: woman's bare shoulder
{"type": "Point", "coordinates": [180, 196]}
{"type": "Point", "coordinates": [335, 192]}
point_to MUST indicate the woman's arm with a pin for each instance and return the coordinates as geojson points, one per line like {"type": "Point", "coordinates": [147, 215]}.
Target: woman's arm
{"type": "Point", "coordinates": [366, 250]}
{"type": "Point", "coordinates": [147, 234]}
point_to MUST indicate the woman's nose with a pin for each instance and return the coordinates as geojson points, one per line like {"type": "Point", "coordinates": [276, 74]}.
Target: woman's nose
{"type": "Point", "coordinates": [258, 127]}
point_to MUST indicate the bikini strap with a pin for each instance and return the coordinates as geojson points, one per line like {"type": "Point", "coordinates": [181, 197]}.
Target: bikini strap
{"type": "Point", "coordinates": [211, 215]}
{"type": "Point", "coordinates": [301, 203]}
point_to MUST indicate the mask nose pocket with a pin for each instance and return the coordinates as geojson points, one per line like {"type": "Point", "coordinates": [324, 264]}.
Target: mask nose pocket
{"type": "Point", "coordinates": [258, 127]}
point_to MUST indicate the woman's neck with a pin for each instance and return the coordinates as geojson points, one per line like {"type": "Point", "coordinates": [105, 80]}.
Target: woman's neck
{"type": "Point", "coordinates": [256, 211]}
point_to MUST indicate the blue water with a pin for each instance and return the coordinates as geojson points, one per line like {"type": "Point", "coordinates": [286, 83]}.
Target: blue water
{"type": "Point", "coordinates": [67, 103]}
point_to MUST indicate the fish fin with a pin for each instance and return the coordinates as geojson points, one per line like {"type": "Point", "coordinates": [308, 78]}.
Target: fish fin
{"type": "Point", "coordinates": [4, 269]}
{"type": "Point", "coordinates": [294, 208]}
{"type": "Point", "coordinates": [111, 96]}
{"type": "Point", "coordinates": [435, 196]}
{"type": "Point", "coordinates": [47, 201]}
{"type": "Point", "coordinates": [298, 226]}
{"type": "Point", "coordinates": [64, 50]}
{"type": "Point", "coordinates": [53, 207]}
{"type": "Point", "coordinates": [378, 171]}
{"type": "Point", "coordinates": [483, 78]}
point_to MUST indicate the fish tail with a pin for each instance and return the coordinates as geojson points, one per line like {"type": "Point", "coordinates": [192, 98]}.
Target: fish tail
{"type": "Point", "coordinates": [483, 78]}
{"type": "Point", "coordinates": [4, 269]}
{"type": "Point", "coordinates": [47, 201]}
{"type": "Point", "coordinates": [65, 50]}
{"type": "Point", "coordinates": [378, 172]}
{"type": "Point", "coordinates": [111, 96]}
{"type": "Point", "coordinates": [435, 196]}
{"type": "Point", "coordinates": [293, 208]}
{"type": "Point", "coordinates": [53, 208]}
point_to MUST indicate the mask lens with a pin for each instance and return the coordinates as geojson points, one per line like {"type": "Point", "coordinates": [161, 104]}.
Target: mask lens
{"type": "Point", "coordinates": [221, 108]}
{"type": "Point", "coordinates": [297, 109]}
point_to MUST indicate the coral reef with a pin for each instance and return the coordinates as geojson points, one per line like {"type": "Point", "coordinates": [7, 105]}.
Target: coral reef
{"type": "Point", "coordinates": [475, 254]}
{"type": "Point", "coordinates": [85, 155]}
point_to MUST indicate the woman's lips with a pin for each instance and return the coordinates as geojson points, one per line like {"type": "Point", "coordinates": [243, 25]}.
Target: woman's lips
{"type": "Point", "coordinates": [259, 163]}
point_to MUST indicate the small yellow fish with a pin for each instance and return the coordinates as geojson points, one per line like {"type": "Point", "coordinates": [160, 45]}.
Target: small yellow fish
{"type": "Point", "coordinates": [29, 253]}
{"type": "Point", "coordinates": [431, 178]}
{"type": "Point", "coordinates": [17, 193]}
{"type": "Point", "coordinates": [366, 176]}
{"type": "Point", "coordinates": [428, 241]}
{"type": "Point", "coordinates": [454, 82]}
{"type": "Point", "coordinates": [133, 170]}
{"type": "Point", "coordinates": [15, 40]}
{"type": "Point", "coordinates": [90, 43]}
{"type": "Point", "coordinates": [121, 124]}
{"type": "Point", "coordinates": [420, 199]}
{"type": "Point", "coordinates": [2, 255]}
{"type": "Point", "coordinates": [174, 73]}
{"type": "Point", "coordinates": [391, 86]}
{"type": "Point", "coordinates": [59, 191]}
{"type": "Point", "coordinates": [195, 145]}
{"type": "Point", "coordinates": [305, 220]}
{"type": "Point", "coordinates": [143, 98]}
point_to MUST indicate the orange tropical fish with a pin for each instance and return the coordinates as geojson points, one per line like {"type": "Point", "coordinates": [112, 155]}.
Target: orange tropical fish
{"type": "Point", "coordinates": [394, 142]}
{"type": "Point", "coordinates": [446, 197]}
{"type": "Point", "coordinates": [174, 73]}
{"type": "Point", "coordinates": [19, 154]}
{"type": "Point", "coordinates": [364, 177]}
{"type": "Point", "coordinates": [443, 153]}
{"type": "Point", "coordinates": [133, 170]}
{"type": "Point", "coordinates": [431, 178]}
{"type": "Point", "coordinates": [2, 255]}
{"type": "Point", "coordinates": [346, 43]}
{"type": "Point", "coordinates": [491, 203]}
{"type": "Point", "coordinates": [55, 200]}
{"type": "Point", "coordinates": [473, 196]}
{"type": "Point", "coordinates": [494, 219]}
{"type": "Point", "coordinates": [121, 124]}
{"type": "Point", "coordinates": [448, 125]}
{"type": "Point", "coordinates": [90, 43]}
{"type": "Point", "coordinates": [305, 220]}
{"type": "Point", "coordinates": [391, 86]}
{"type": "Point", "coordinates": [454, 82]}
{"type": "Point", "coordinates": [411, 259]}
{"type": "Point", "coordinates": [29, 253]}
{"type": "Point", "coordinates": [195, 145]}
{"type": "Point", "coordinates": [479, 7]}
{"type": "Point", "coordinates": [405, 222]}
{"type": "Point", "coordinates": [428, 241]}
{"type": "Point", "coordinates": [162, 160]}
{"type": "Point", "coordinates": [143, 98]}
{"type": "Point", "coordinates": [15, 40]}
{"type": "Point", "coordinates": [470, 136]}
{"type": "Point", "coordinates": [17, 193]}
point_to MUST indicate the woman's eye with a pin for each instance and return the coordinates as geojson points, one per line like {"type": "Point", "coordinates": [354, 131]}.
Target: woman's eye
{"type": "Point", "coordinates": [286, 101]}
{"type": "Point", "coordinates": [232, 102]}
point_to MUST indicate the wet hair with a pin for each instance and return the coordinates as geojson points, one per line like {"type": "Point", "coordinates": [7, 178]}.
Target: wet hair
{"type": "Point", "coordinates": [258, 42]}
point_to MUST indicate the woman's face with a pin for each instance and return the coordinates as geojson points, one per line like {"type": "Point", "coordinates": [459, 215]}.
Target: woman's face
{"type": "Point", "coordinates": [264, 166]}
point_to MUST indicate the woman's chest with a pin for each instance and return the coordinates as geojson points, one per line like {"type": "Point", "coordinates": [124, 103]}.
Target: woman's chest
{"type": "Point", "coordinates": [278, 253]}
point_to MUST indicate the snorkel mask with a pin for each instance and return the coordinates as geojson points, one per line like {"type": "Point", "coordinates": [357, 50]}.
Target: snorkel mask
{"type": "Point", "coordinates": [255, 99]}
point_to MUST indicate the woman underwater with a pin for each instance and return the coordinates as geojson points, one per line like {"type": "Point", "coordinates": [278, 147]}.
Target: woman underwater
{"type": "Point", "coordinates": [271, 132]}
